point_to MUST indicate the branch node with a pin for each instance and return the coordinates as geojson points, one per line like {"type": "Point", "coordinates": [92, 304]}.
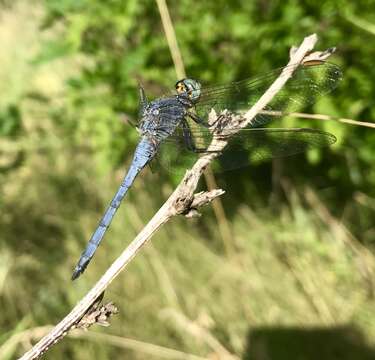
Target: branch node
{"type": "Point", "coordinates": [98, 315]}
{"type": "Point", "coordinates": [190, 208]}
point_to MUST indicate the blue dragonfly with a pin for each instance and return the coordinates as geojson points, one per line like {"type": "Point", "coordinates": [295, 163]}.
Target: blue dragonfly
{"type": "Point", "coordinates": [171, 123]}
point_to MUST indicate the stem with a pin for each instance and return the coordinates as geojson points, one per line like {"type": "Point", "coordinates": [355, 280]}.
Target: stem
{"type": "Point", "coordinates": [209, 177]}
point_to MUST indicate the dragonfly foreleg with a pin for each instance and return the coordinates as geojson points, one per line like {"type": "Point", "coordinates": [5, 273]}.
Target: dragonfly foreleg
{"type": "Point", "coordinates": [197, 119]}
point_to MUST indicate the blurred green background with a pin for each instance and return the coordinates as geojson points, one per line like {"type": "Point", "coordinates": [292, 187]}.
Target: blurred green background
{"type": "Point", "coordinates": [298, 282]}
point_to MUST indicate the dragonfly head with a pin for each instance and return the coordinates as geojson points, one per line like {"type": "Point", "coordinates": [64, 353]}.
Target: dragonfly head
{"type": "Point", "coordinates": [189, 87]}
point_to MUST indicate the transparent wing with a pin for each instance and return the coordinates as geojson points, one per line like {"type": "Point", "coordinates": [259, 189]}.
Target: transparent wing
{"type": "Point", "coordinates": [257, 145]}
{"type": "Point", "coordinates": [250, 145]}
{"type": "Point", "coordinates": [175, 156]}
{"type": "Point", "coordinates": [308, 82]}
{"type": "Point", "coordinates": [254, 144]}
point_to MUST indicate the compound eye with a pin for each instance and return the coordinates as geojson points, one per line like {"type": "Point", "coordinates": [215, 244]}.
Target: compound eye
{"type": "Point", "coordinates": [180, 87]}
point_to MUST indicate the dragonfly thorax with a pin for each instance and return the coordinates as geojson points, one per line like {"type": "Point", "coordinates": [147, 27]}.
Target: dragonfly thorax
{"type": "Point", "coordinates": [161, 117]}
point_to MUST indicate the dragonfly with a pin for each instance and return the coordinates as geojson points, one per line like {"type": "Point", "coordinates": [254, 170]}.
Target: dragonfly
{"type": "Point", "coordinates": [178, 122]}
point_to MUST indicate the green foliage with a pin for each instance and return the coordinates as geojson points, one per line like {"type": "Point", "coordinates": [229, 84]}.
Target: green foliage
{"type": "Point", "coordinates": [230, 41]}
{"type": "Point", "coordinates": [69, 71]}
{"type": "Point", "coordinates": [10, 122]}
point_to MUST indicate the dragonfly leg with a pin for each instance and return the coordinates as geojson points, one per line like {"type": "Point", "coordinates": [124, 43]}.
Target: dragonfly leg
{"type": "Point", "coordinates": [127, 120]}
{"type": "Point", "coordinates": [197, 119]}
{"type": "Point", "coordinates": [187, 136]}
{"type": "Point", "coordinates": [218, 123]}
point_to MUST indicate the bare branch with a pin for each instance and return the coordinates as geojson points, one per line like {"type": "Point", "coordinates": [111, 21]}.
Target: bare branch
{"type": "Point", "coordinates": [181, 201]}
